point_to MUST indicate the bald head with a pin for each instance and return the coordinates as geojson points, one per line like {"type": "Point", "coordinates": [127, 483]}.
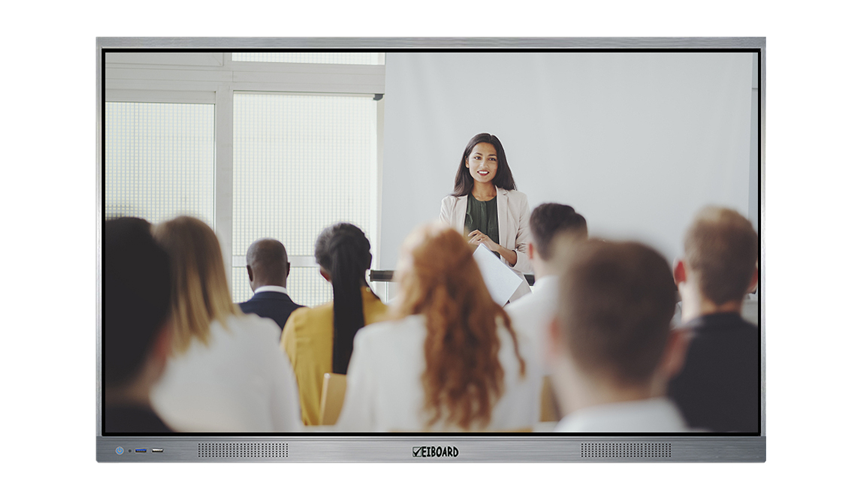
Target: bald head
{"type": "Point", "coordinates": [267, 263]}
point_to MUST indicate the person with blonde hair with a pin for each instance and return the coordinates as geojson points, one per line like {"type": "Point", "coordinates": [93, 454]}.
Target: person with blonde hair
{"type": "Point", "coordinates": [225, 373]}
{"type": "Point", "coordinates": [449, 359]}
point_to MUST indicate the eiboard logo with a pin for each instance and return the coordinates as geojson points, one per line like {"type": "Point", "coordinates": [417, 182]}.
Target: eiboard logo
{"type": "Point", "coordinates": [434, 451]}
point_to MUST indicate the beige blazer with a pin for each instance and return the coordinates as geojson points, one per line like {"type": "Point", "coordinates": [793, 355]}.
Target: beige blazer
{"type": "Point", "coordinates": [514, 232]}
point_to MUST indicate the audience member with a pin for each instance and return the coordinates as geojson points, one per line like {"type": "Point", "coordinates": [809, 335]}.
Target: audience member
{"type": "Point", "coordinates": [226, 373]}
{"type": "Point", "coordinates": [611, 347]}
{"type": "Point", "coordinates": [268, 269]}
{"type": "Point", "coordinates": [718, 389]}
{"type": "Point", "coordinates": [450, 360]}
{"type": "Point", "coordinates": [137, 333]}
{"type": "Point", "coordinates": [531, 314]}
{"type": "Point", "coordinates": [319, 340]}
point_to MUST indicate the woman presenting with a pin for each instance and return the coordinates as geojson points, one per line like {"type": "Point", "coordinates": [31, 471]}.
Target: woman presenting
{"type": "Point", "coordinates": [486, 206]}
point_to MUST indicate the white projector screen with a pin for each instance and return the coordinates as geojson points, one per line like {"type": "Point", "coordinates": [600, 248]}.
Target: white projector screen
{"type": "Point", "coordinates": [636, 142]}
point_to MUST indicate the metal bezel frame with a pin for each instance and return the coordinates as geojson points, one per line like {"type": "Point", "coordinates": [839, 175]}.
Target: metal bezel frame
{"type": "Point", "coordinates": [396, 447]}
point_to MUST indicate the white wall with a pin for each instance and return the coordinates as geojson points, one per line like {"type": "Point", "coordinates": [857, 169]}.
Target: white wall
{"type": "Point", "coordinates": [635, 142]}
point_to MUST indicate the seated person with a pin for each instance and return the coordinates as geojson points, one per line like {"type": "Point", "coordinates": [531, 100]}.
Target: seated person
{"type": "Point", "coordinates": [318, 340]}
{"type": "Point", "coordinates": [268, 269]}
{"type": "Point", "coordinates": [531, 314]}
{"type": "Point", "coordinates": [611, 349]}
{"type": "Point", "coordinates": [450, 360]}
{"type": "Point", "coordinates": [137, 330]}
{"type": "Point", "coordinates": [226, 373]}
{"type": "Point", "coordinates": [718, 389]}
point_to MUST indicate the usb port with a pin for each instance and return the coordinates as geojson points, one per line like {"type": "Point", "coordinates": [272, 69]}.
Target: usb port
{"type": "Point", "coordinates": [157, 450]}
{"type": "Point", "coordinates": [140, 450]}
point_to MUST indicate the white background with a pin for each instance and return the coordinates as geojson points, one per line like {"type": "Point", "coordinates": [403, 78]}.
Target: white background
{"type": "Point", "coordinates": [47, 198]}
{"type": "Point", "coordinates": [637, 143]}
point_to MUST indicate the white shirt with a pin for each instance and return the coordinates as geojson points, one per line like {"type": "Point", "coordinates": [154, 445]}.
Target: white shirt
{"type": "Point", "coordinates": [646, 415]}
{"type": "Point", "coordinates": [384, 392]}
{"type": "Point", "coordinates": [271, 288]}
{"type": "Point", "coordinates": [240, 382]}
{"type": "Point", "coordinates": [531, 315]}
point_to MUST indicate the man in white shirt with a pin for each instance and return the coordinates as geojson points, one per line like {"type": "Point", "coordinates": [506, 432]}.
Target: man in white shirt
{"type": "Point", "coordinates": [531, 314]}
{"type": "Point", "coordinates": [610, 346]}
{"type": "Point", "coordinates": [268, 269]}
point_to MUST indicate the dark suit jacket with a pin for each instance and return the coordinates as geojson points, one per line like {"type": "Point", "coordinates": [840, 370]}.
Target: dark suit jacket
{"type": "Point", "coordinates": [718, 389]}
{"type": "Point", "coordinates": [274, 305]}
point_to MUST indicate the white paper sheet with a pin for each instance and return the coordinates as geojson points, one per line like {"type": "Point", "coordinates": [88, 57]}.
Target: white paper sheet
{"type": "Point", "coordinates": [501, 281]}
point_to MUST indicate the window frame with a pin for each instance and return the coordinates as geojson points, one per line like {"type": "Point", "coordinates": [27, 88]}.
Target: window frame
{"type": "Point", "coordinates": [212, 77]}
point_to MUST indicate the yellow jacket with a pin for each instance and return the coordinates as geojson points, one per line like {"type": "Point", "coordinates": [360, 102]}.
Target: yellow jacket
{"type": "Point", "coordinates": [308, 340]}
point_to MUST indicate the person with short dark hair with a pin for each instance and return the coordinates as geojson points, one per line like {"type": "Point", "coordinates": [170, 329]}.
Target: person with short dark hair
{"type": "Point", "coordinates": [531, 314]}
{"type": "Point", "coordinates": [268, 269]}
{"type": "Point", "coordinates": [611, 346]}
{"type": "Point", "coordinates": [718, 389]}
{"type": "Point", "coordinates": [137, 331]}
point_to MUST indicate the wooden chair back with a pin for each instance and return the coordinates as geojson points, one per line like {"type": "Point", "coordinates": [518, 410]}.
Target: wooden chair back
{"type": "Point", "coordinates": [333, 391]}
{"type": "Point", "coordinates": [548, 412]}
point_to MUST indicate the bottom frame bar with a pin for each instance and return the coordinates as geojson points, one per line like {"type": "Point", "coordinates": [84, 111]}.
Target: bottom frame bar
{"type": "Point", "coordinates": [430, 449]}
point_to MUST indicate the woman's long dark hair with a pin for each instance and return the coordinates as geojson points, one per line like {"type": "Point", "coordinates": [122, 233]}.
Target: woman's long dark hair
{"type": "Point", "coordinates": [504, 179]}
{"type": "Point", "coordinates": [343, 251]}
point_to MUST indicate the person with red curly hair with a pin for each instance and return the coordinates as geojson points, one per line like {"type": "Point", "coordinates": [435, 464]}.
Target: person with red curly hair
{"type": "Point", "coordinates": [449, 359]}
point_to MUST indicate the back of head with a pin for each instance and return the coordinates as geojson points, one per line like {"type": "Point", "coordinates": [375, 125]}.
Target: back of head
{"type": "Point", "coordinates": [440, 279]}
{"type": "Point", "coordinates": [136, 297]}
{"type": "Point", "coordinates": [548, 220]}
{"type": "Point", "coordinates": [616, 301]}
{"type": "Point", "coordinates": [343, 251]}
{"type": "Point", "coordinates": [200, 290]}
{"type": "Point", "coordinates": [268, 259]}
{"type": "Point", "coordinates": [721, 250]}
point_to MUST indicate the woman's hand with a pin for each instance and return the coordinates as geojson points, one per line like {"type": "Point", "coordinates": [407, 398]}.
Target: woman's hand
{"type": "Point", "coordinates": [476, 238]}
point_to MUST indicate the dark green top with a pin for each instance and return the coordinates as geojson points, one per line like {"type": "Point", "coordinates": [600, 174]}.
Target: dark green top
{"type": "Point", "coordinates": [483, 216]}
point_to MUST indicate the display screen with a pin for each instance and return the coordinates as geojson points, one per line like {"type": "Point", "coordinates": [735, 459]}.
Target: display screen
{"type": "Point", "coordinates": [350, 165]}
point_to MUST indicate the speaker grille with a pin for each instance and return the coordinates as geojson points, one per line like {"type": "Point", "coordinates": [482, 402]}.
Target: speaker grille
{"type": "Point", "coordinates": [626, 450]}
{"type": "Point", "coordinates": [242, 450]}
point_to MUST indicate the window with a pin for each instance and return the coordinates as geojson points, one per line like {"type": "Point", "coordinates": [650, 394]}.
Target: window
{"type": "Point", "coordinates": [300, 164]}
{"type": "Point", "coordinates": [159, 160]}
{"type": "Point", "coordinates": [254, 149]}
